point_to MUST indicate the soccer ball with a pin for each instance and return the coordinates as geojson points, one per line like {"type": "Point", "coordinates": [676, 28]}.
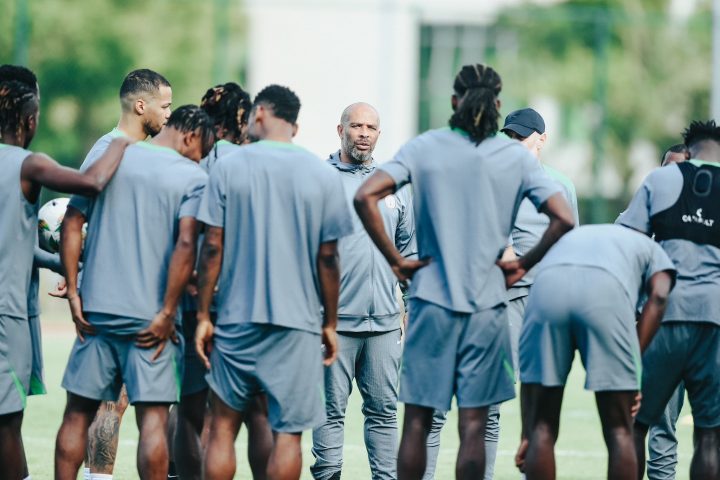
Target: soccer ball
{"type": "Point", "coordinates": [50, 219]}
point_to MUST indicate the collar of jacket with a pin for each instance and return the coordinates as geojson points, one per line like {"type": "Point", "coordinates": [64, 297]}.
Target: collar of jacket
{"type": "Point", "coordinates": [335, 161]}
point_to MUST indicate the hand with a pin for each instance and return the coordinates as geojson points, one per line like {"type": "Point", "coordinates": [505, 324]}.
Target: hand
{"type": "Point", "coordinates": [520, 454]}
{"type": "Point", "coordinates": [405, 268]}
{"type": "Point", "coordinates": [157, 333]}
{"type": "Point", "coordinates": [60, 289]}
{"type": "Point", "coordinates": [513, 271]}
{"type": "Point", "coordinates": [636, 406]}
{"type": "Point", "coordinates": [330, 346]}
{"type": "Point", "coordinates": [82, 327]}
{"type": "Point", "coordinates": [203, 339]}
{"type": "Point", "coordinates": [123, 141]}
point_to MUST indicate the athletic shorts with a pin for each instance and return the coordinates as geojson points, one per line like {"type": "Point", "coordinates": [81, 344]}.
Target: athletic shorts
{"type": "Point", "coordinates": [284, 363]}
{"type": "Point", "coordinates": [37, 377]}
{"type": "Point", "coordinates": [194, 371]}
{"type": "Point", "coordinates": [688, 352]}
{"type": "Point", "coordinates": [450, 354]}
{"type": "Point", "coordinates": [98, 367]}
{"type": "Point", "coordinates": [586, 309]}
{"type": "Point", "coordinates": [15, 363]}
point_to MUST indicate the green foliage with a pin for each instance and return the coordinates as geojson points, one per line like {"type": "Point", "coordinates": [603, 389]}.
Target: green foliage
{"type": "Point", "coordinates": [81, 51]}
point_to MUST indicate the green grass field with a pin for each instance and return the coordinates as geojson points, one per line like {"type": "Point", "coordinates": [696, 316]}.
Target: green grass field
{"type": "Point", "coordinates": [580, 450]}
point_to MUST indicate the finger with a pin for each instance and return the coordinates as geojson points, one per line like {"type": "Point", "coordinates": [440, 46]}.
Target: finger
{"type": "Point", "coordinates": [79, 334]}
{"type": "Point", "coordinates": [175, 338]}
{"type": "Point", "coordinates": [147, 343]}
{"type": "Point", "coordinates": [159, 350]}
{"type": "Point", "coordinates": [330, 356]}
{"type": "Point", "coordinates": [200, 349]}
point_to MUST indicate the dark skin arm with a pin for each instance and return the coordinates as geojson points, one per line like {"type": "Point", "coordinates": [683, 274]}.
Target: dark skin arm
{"type": "Point", "coordinates": [51, 261]}
{"type": "Point", "coordinates": [328, 265]}
{"type": "Point", "coordinates": [70, 249]}
{"type": "Point", "coordinates": [181, 266]}
{"type": "Point", "coordinates": [561, 222]}
{"type": "Point", "coordinates": [40, 170]}
{"type": "Point", "coordinates": [211, 256]}
{"type": "Point", "coordinates": [375, 188]}
{"type": "Point", "coordinates": [658, 289]}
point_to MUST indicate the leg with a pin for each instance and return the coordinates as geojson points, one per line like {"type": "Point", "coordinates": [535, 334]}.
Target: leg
{"type": "Point", "coordinates": [471, 454]}
{"type": "Point", "coordinates": [433, 443]}
{"type": "Point", "coordinates": [103, 435]}
{"type": "Point", "coordinates": [188, 451]}
{"type": "Point", "coordinates": [412, 455]}
{"type": "Point", "coordinates": [377, 375]}
{"type": "Point", "coordinates": [640, 431]}
{"type": "Point", "coordinates": [542, 405]}
{"type": "Point", "coordinates": [12, 453]}
{"type": "Point", "coordinates": [492, 437]}
{"type": "Point", "coordinates": [260, 437]}
{"type": "Point", "coordinates": [219, 462]}
{"type": "Point", "coordinates": [170, 435]}
{"type": "Point", "coordinates": [72, 437]}
{"type": "Point", "coordinates": [328, 438]}
{"type": "Point", "coordinates": [614, 409]}
{"type": "Point", "coordinates": [662, 444]}
{"type": "Point", "coordinates": [153, 449]}
{"type": "Point", "coordinates": [706, 457]}
{"type": "Point", "coordinates": [285, 461]}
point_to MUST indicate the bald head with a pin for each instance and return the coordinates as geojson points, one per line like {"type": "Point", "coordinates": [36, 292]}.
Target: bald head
{"type": "Point", "coordinates": [358, 131]}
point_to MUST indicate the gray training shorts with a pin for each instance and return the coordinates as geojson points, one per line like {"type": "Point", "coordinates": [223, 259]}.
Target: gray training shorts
{"type": "Point", "coordinates": [284, 363]}
{"type": "Point", "coordinates": [99, 366]}
{"type": "Point", "coordinates": [15, 364]}
{"type": "Point", "coordinates": [584, 308]}
{"type": "Point", "coordinates": [450, 354]}
{"type": "Point", "coordinates": [687, 351]}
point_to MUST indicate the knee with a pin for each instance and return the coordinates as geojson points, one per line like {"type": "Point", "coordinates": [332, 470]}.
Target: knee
{"type": "Point", "coordinates": [381, 408]}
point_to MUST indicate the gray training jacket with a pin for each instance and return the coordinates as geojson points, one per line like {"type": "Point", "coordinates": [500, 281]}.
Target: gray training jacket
{"type": "Point", "coordinates": [367, 284]}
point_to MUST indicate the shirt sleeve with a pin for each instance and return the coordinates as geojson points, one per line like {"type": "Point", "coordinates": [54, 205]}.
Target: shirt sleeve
{"type": "Point", "coordinates": [405, 240]}
{"type": "Point", "coordinates": [637, 215]}
{"type": "Point", "coordinates": [336, 220]}
{"type": "Point", "coordinates": [190, 204]}
{"type": "Point", "coordinates": [399, 167]}
{"type": "Point", "coordinates": [659, 262]}
{"type": "Point", "coordinates": [536, 184]}
{"type": "Point", "coordinates": [212, 205]}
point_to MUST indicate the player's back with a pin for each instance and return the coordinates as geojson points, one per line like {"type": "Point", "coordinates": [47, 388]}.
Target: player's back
{"type": "Point", "coordinates": [466, 198]}
{"type": "Point", "coordinates": [18, 233]}
{"type": "Point", "coordinates": [275, 198]}
{"type": "Point", "coordinates": [624, 253]}
{"type": "Point", "coordinates": [133, 228]}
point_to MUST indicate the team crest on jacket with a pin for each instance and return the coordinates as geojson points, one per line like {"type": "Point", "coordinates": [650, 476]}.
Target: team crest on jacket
{"type": "Point", "coordinates": [391, 201]}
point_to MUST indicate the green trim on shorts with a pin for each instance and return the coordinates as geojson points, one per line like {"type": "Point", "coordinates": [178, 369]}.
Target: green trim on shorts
{"type": "Point", "coordinates": [178, 378]}
{"type": "Point", "coordinates": [37, 387]}
{"type": "Point", "coordinates": [19, 387]}
{"type": "Point", "coordinates": [508, 368]}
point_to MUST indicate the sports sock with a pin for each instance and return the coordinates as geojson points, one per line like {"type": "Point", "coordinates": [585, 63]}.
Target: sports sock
{"type": "Point", "coordinates": [100, 476]}
{"type": "Point", "coordinates": [86, 473]}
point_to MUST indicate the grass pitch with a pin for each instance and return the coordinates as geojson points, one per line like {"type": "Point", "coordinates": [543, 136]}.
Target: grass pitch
{"type": "Point", "coordinates": [580, 450]}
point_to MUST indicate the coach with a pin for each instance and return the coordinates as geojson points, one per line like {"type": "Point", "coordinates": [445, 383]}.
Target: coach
{"type": "Point", "coordinates": [369, 335]}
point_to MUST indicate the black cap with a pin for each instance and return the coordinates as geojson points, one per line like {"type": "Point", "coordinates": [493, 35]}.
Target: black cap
{"type": "Point", "coordinates": [524, 122]}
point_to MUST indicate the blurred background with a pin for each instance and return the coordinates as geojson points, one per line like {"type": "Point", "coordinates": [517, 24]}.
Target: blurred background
{"type": "Point", "coordinates": [616, 80]}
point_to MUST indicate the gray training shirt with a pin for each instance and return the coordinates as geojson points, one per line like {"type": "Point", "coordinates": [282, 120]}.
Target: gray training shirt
{"type": "Point", "coordinates": [368, 301]}
{"type": "Point", "coordinates": [18, 234]}
{"type": "Point", "coordinates": [625, 254]}
{"type": "Point", "coordinates": [80, 202]}
{"type": "Point", "coordinates": [530, 225]}
{"type": "Point", "coordinates": [277, 203]}
{"type": "Point", "coordinates": [466, 198]}
{"type": "Point", "coordinates": [133, 229]}
{"type": "Point", "coordinates": [695, 297]}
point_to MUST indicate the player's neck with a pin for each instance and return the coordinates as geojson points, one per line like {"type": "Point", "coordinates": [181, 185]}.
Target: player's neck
{"type": "Point", "coordinates": [13, 140]}
{"type": "Point", "coordinates": [132, 129]}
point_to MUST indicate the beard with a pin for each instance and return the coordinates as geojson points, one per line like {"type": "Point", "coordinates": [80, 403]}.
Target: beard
{"type": "Point", "coordinates": [356, 156]}
{"type": "Point", "coordinates": [152, 128]}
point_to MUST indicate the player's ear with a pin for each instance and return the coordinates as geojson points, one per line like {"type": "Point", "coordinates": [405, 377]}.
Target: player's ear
{"type": "Point", "coordinates": [340, 130]}
{"type": "Point", "coordinates": [498, 104]}
{"type": "Point", "coordinates": [140, 106]}
{"type": "Point", "coordinates": [454, 102]}
{"type": "Point", "coordinates": [541, 140]}
{"type": "Point", "coordinates": [294, 129]}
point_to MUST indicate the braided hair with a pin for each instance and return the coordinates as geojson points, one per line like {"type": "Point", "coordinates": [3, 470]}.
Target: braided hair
{"type": "Point", "coordinates": [191, 118]}
{"type": "Point", "coordinates": [229, 107]}
{"type": "Point", "coordinates": [18, 73]}
{"type": "Point", "coordinates": [17, 101]}
{"type": "Point", "coordinates": [477, 88]}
